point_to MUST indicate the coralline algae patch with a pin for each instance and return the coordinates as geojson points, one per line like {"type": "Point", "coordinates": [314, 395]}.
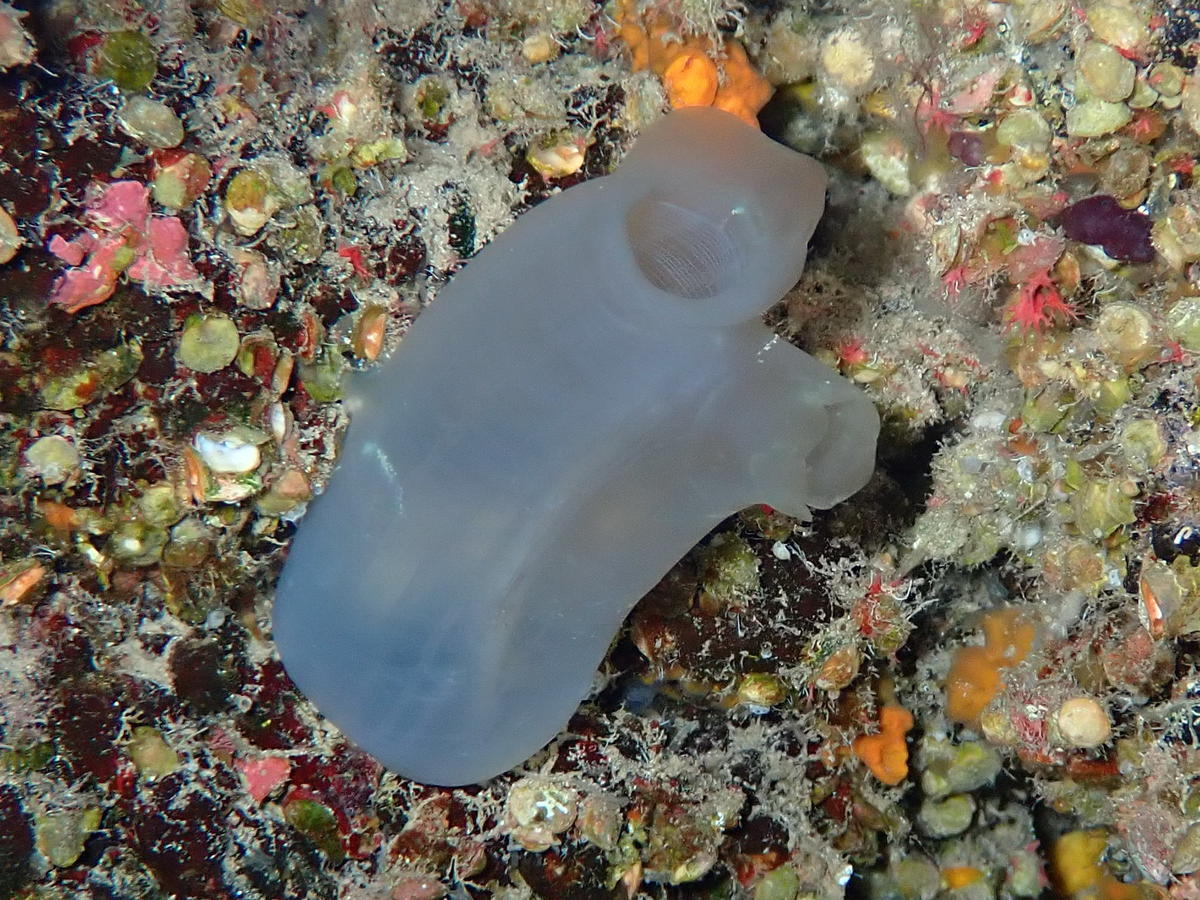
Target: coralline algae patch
{"type": "Point", "coordinates": [213, 213]}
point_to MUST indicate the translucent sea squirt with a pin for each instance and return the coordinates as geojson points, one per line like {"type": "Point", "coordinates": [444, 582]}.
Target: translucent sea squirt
{"type": "Point", "coordinates": [590, 396]}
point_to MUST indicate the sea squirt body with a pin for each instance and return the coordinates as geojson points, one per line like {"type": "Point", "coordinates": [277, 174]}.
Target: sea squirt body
{"type": "Point", "coordinates": [590, 396]}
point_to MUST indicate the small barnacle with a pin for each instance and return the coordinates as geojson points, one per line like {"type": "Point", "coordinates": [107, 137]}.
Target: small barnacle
{"type": "Point", "coordinates": [372, 153]}
{"type": "Point", "coordinates": [781, 883]}
{"type": "Point", "coordinates": [1121, 26]}
{"type": "Point", "coordinates": [10, 237]}
{"type": "Point", "coordinates": [728, 572]}
{"type": "Point", "coordinates": [151, 754]}
{"type": "Point", "coordinates": [316, 821]}
{"type": "Point", "coordinates": [152, 122]}
{"type": "Point", "coordinates": [888, 157]}
{"type": "Point", "coordinates": [250, 202]}
{"type": "Point", "coordinates": [539, 809]}
{"type": "Point", "coordinates": [1183, 322]}
{"type": "Point", "coordinates": [127, 58]}
{"type": "Point", "coordinates": [190, 543]}
{"type": "Point", "coordinates": [180, 178]}
{"type": "Point", "coordinates": [61, 833]}
{"type": "Point", "coordinates": [539, 47]}
{"type": "Point", "coordinates": [233, 452]}
{"type": "Point", "coordinates": [1040, 20]}
{"type": "Point", "coordinates": [259, 281]}
{"type": "Point", "coordinates": [92, 379]}
{"type": "Point", "coordinates": [208, 342]}
{"type": "Point", "coordinates": [848, 60]}
{"type": "Point", "coordinates": [159, 505]}
{"type": "Point", "coordinates": [18, 580]}
{"type": "Point", "coordinates": [1177, 234]}
{"type": "Point", "coordinates": [839, 668]}
{"type": "Point", "coordinates": [1142, 443]}
{"type": "Point", "coordinates": [1105, 73]}
{"type": "Point", "coordinates": [1047, 410]}
{"type": "Point", "coordinates": [557, 155]}
{"type": "Point", "coordinates": [286, 492]}
{"type": "Point", "coordinates": [1126, 333]}
{"type": "Point", "coordinates": [322, 378]}
{"type": "Point", "coordinates": [1124, 174]}
{"type": "Point", "coordinates": [370, 328]}
{"type": "Point", "coordinates": [1143, 96]}
{"type": "Point", "coordinates": [1025, 127]}
{"type": "Point", "coordinates": [52, 458]}
{"type": "Point", "coordinates": [761, 691]}
{"type": "Point", "coordinates": [1095, 118]}
{"type": "Point", "coordinates": [430, 98]}
{"type": "Point", "coordinates": [137, 543]}
{"type": "Point", "coordinates": [599, 820]}
{"type": "Point", "coordinates": [1102, 505]}
{"type": "Point", "coordinates": [1082, 722]}
{"type": "Point", "coordinates": [299, 234]}
{"type": "Point", "coordinates": [1167, 79]}
{"type": "Point", "coordinates": [1110, 395]}
{"type": "Point", "coordinates": [913, 876]}
{"type": "Point", "coordinates": [948, 768]}
{"type": "Point", "coordinates": [946, 817]}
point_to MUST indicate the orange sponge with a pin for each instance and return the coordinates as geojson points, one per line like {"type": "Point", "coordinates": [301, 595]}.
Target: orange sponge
{"type": "Point", "coordinates": [1077, 868]}
{"type": "Point", "coordinates": [687, 68]}
{"type": "Point", "coordinates": [886, 753]}
{"type": "Point", "coordinates": [955, 877]}
{"type": "Point", "coordinates": [974, 677]}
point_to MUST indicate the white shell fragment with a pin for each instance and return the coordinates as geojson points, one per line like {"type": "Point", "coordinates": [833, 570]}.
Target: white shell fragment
{"type": "Point", "coordinates": [590, 396]}
{"type": "Point", "coordinates": [233, 453]}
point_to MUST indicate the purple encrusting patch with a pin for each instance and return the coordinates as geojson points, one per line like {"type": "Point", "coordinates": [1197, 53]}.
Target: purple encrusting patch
{"type": "Point", "coordinates": [1123, 233]}
{"type": "Point", "coordinates": [967, 147]}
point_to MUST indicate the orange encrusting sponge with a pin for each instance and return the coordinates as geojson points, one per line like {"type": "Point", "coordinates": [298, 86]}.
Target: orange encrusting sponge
{"type": "Point", "coordinates": [1077, 868]}
{"type": "Point", "coordinates": [955, 877]}
{"type": "Point", "coordinates": [687, 68]}
{"type": "Point", "coordinates": [974, 677]}
{"type": "Point", "coordinates": [886, 753]}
